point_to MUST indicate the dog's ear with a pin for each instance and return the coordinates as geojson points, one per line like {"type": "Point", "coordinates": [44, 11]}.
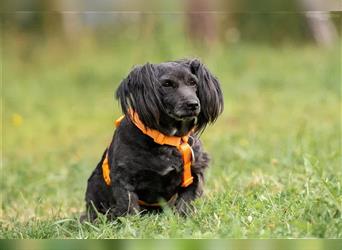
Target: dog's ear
{"type": "Point", "coordinates": [209, 93]}
{"type": "Point", "coordinates": [139, 92]}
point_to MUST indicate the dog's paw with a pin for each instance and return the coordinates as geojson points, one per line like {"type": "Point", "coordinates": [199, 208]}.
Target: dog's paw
{"type": "Point", "coordinates": [87, 218]}
{"type": "Point", "coordinates": [183, 208]}
{"type": "Point", "coordinates": [83, 218]}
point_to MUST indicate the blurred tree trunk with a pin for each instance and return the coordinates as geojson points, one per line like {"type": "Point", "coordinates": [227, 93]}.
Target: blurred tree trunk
{"type": "Point", "coordinates": [322, 27]}
{"type": "Point", "coordinates": [200, 24]}
{"type": "Point", "coordinates": [229, 30]}
{"type": "Point", "coordinates": [51, 21]}
{"type": "Point", "coordinates": [71, 21]}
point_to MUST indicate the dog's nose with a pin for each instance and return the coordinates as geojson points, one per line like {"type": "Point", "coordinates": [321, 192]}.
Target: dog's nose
{"type": "Point", "coordinates": [192, 105]}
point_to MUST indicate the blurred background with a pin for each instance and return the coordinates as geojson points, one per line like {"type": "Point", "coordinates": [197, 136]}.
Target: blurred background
{"type": "Point", "coordinates": [203, 21]}
{"type": "Point", "coordinates": [278, 63]}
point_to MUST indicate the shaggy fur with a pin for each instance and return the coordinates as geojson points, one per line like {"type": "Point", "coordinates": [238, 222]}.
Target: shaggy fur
{"type": "Point", "coordinates": [173, 98]}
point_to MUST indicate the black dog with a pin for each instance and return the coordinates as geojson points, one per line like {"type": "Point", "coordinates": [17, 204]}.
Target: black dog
{"type": "Point", "coordinates": [175, 100]}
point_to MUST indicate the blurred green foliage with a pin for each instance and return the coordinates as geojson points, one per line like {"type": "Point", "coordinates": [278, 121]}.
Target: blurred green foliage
{"type": "Point", "coordinates": [175, 244]}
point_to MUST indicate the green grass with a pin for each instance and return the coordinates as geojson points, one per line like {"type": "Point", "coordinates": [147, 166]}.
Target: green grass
{"type": "Point", "coordinates": [275, 150]}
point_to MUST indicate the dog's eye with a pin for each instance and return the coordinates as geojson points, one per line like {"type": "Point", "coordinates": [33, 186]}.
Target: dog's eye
{"type": "Point", "coordinates": [167, 84]}
{"type": "Point", "coordinates": [192, 82]}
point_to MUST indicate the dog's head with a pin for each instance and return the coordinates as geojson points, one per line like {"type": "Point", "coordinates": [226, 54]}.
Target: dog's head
{"type": "Point", "coordinates": [172, 97]}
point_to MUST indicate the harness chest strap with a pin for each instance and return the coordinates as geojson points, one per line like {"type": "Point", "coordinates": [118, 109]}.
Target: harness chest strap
{"type": "Point", "coordinates": [181, 143]}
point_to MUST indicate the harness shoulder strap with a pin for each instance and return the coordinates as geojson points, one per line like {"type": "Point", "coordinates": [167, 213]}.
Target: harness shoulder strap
{"type": "Point", "coordinates": [106, 170]}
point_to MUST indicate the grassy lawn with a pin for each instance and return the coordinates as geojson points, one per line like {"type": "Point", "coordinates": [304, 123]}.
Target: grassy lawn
{"type": "Point", "coordinates": [276, 152]}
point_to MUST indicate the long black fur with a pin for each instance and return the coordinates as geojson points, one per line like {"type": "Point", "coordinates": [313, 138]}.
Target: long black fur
{"type": "Point", "coordinates": [174, 98]}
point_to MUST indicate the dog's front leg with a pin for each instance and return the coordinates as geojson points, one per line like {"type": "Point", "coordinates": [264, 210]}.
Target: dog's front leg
{"type": "Point", "coordinates": [126, 201]}
{"type": "Point", "coordinates": [187, 195]}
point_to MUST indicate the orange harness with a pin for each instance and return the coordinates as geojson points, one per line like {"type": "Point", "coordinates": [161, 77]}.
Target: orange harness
{"type": "Point", "coordinates": [181, 143]}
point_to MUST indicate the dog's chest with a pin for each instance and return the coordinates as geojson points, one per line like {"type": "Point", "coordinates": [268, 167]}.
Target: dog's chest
{"type": "Point", "coordinates": [159, 173]}
{"type": "Point", "coordinates": [144, 164]}
{"type": "Point", "coordinates": [164, 160]}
